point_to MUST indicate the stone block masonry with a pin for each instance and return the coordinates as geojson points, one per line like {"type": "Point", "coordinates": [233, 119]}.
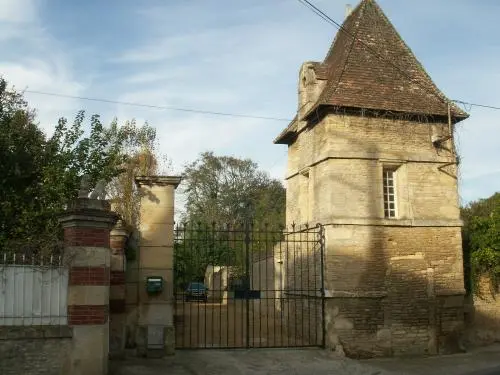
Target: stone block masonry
{"type": "Point", "coordinates": [155, 334]}
{"type": "Point", "coordinates": [89, 276]}
{"type": "Point", "coordinates": [79, 315]}
{"type": "Point", "coordinates": [394, 286]}
{"type": "Point", "coordinates": [34, 350]}
{"type": "Point", "coordinates": [117, 293]}
{"type": "Point", "coordinates": [87, 237]}
{"type": "Point", "coordinates": [389, 293]}
{"type": "Point", "coordinates": [87, 224]}
{"type": "Point", "coordinates": [483, 314]}
{"type": "Point", "coordinates": [117, 277]}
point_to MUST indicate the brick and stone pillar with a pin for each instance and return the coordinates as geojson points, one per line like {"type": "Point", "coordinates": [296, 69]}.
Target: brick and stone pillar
{"type": "Point", "coordinates": [87, 224]}
{"type": "Point", "coordinates": [117, 323]}
{"type": "Point", "coordinates": [155, 333]}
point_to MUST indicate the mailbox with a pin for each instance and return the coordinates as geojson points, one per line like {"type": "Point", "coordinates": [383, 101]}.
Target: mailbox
{"type": "Point", "coordinates": [154, 284]}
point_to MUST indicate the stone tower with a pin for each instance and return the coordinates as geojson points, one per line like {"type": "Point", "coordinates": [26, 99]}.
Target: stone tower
{"type": "Point", "coordinates": [371, 156]}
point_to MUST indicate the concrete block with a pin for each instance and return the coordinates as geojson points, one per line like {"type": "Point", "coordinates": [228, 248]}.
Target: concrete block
{"type": "Point", "coordinates": [157, 257]}
{"type": "Point", "coordinates": [88, 295]}
{"type": "Point", "coordinates": [156, 314]}
{"type": "Point", "coordinates": [341, 323]}
{"type": "Point", "coordinates": [158, 235]}
{"type": "Point", "coordinates": [83, 256]}
{"type": "Point", "coordinates": [91, 354]}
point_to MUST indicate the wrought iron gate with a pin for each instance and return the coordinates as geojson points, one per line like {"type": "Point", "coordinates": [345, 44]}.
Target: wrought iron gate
{"type": "Point", "coordinates": [247, 286]}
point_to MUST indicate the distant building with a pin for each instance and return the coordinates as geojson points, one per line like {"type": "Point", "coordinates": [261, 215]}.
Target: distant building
{"type": "Point", "coordinates": [371, 156]}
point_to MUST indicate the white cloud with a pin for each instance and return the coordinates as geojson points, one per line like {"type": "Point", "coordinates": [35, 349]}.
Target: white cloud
{"type": "Point", "coordinates": [148, 77]}
{"type": "Point", "coordinates": [37, 75]}
{"type": "Point", "coordinates": [33, 60]}
{"type": "Point", "coordinates": [18, 11]}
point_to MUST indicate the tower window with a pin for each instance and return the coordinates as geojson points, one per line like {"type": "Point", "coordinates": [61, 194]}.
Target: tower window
{"type": "Point", "coordinates": [389, 182]}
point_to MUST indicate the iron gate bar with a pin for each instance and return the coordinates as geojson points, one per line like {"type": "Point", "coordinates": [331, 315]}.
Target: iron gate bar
{"type": "Point", "coordinates": [323, 318]}
{"type": "Point", "coordinates": [247, 280]}
{"type": "Point", "coordinates": [241, 257]}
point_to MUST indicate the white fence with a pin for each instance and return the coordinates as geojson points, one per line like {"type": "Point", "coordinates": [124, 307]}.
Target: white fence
{"type": "Point", "coordinates": [33, 290]}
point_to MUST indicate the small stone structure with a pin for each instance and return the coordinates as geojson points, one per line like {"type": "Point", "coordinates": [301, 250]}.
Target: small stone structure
{"type": "Point", "coordinates": [371, 157]}
{"type": "Point", "coordinates": [216, 280]}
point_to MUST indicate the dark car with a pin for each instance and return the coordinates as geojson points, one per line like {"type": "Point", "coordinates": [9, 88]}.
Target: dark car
{"type": "Point", "coordinates": [196, 291]}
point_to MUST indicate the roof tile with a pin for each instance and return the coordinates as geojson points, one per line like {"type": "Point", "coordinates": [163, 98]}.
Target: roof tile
{"type": "Point", "coordinates": [371, 67]}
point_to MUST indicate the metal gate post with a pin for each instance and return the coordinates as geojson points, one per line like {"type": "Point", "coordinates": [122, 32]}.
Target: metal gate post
{"type": "Point", "coordinates": [322, 275]}
{"type": "Point", "coordinates": [247, 280]}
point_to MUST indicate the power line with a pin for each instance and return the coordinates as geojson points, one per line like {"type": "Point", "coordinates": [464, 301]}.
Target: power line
{"type": "Point", "coordinates": [328, 19]}
{"type": "Point", "coordinates": [315, 10]}
{"type": "Point", "coordinates": [476, 104]}
{"type": "Point", "coordinates": [191, 110]}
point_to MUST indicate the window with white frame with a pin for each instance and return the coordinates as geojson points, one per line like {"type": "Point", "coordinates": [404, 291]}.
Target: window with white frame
{"type": "Point", "coordinates": [389, 184]}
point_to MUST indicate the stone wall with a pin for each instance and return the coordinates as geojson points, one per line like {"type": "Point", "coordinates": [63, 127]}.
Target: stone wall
{"type": "Point", "coordinates": [483, 314]}
{"type": "Point", "coordinates": [335, 171]}
{"type": "Point", "coordinates": [35, 350]}
{"type": "Point", "coordinates": [393, 290]}
{"type": "Point", "coordinates": [393, 286]}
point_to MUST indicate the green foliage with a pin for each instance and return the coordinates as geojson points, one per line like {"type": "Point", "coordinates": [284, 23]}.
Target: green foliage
{"type": "Point", "coordinates": [191, 259]}
{"type": "Point", "coordinates": [138, 143]}
{"type": "Point", "coordinates": [223, 190]}
{"type": "Point", "coordinates": [481, 240]}
{"type": "Point", "coordinates": [41, 174]}
{"type": "Point", "coordinates": [22, 158]}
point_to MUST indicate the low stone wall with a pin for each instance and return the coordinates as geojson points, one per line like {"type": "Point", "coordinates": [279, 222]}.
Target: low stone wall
{"type": "Point", "coordinates": [34, 350]}
{"type": "Point", "coordinates": [483, 315]}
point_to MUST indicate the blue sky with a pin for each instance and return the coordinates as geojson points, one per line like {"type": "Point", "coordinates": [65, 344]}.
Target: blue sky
{"type": "Point", "coordinates": [241, 57]}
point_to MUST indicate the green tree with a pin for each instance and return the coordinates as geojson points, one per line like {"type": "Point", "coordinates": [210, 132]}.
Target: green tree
{"type": "Point", "coordinates": [142, 160]}
{"type": "Point", "coordinates": [223, 191]}
{"type": "Point", "coordinates": [226, 189]}
{"type": "Point", "coordinates": [481, 240]}
{"type": "Point", "coordinates": [22, 159]}
{"type": "Point", "coordinates": [41, 174]}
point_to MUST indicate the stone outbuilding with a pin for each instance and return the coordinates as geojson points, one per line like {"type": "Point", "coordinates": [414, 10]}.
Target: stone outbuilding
{"type": "Point", "coordinates": [371, 156]}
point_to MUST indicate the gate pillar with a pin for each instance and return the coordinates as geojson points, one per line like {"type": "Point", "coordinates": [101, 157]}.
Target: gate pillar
{"type": "Point", "coordinates": [87, 223]}
{"type": "Point", "coordinates": [117, 300]}
{"type": "Point", "coordinates": [155, 332]}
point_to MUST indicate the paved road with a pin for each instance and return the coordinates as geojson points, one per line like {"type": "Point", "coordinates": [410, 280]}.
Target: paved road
{"type": "Point", "coordinates": [217, 325]}
{"type": "Point", "coordinates": [481, 361]}
{"type": "Point", "coordinates": [492, 371]}
{"type": "Point", "coordinates": [247, 362]}
{"type": "Point", "coordinates": [485, 361]}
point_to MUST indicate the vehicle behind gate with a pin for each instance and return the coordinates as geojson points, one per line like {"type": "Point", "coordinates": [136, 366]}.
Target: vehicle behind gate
{"type": "Point", "coordinates": [196, 292]}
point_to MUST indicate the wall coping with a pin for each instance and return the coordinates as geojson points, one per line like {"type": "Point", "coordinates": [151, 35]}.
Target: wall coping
{"type": "Point", "coordinates": [357, 294]}
{"type": "Point", "coordinates": [88, 219]}
{"type": "Point", "coordinates": [35, 332]}
{"type": "Point", "coordinates": [379, 156]}
{"type": "Point", "coordinates": [382, 293]}
{"type": "Point", "coordinates": [391, 222]}
{"type": "Point", "coordinates": [158, 180]}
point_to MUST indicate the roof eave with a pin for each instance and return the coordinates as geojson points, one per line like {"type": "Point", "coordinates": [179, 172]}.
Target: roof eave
{"type": "Point", "coordinates": [287, 135]}
{"type": "Point", "coordinates": [317, 108]}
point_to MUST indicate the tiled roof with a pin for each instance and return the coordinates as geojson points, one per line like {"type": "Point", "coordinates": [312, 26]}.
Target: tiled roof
{"type": "Point", "coordinates": [376, 69]}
